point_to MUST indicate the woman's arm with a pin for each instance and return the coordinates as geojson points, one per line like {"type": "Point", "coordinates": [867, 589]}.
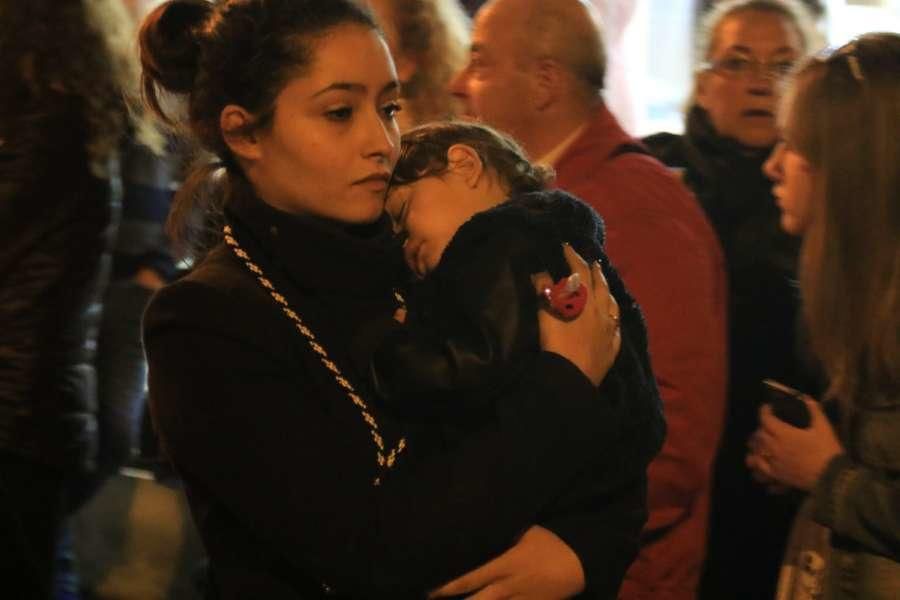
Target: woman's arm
{"type": "Point", "coordinates": [854, 500]}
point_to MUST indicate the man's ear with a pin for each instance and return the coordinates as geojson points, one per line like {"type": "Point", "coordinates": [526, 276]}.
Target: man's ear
{"type": "Point", "coordinates": [547, 82]}
{"type": "Point", "coordinates": [234, 121]}
{"type": "Point", "coordinates": [464, 161]}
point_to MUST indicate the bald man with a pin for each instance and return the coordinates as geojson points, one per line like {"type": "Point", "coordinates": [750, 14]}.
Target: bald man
{"type": "Point", "coordinates": [536, 70]}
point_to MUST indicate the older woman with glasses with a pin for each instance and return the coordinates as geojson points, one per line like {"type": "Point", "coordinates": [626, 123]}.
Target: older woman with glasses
{"type": "Point", "coordinates": [744, 48]}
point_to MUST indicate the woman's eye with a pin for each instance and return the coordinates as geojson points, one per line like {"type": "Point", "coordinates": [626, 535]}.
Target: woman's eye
{"type": "Point", "coordinates": [391, 109]}
{"type": "Point", "coordinates": [783, 67]}
{"type": "Point", "coordinates": [735, 64]}
{"type": "Point", "coordinates": [339, 114]}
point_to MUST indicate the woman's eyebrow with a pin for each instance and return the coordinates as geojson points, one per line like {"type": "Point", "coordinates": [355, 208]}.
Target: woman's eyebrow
{"type": "Point", "coordinates": [357, 88]}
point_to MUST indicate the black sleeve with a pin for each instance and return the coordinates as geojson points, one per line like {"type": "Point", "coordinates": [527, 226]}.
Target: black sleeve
{"type": "Point", "coordinates": [477, 332]}
{"type": "Point", "coordinates": [601, 514]}
{"type": "Point", "coordinates": [233, 418]}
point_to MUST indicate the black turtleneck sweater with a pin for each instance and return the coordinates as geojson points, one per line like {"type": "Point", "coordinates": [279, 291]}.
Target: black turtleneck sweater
{"type": "Point", "coordinates": [748, 526]}
{"type": "Point", "coordinates": [279, 463]}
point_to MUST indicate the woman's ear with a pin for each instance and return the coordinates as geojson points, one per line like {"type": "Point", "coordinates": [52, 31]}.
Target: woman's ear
{"type": "Point", "coordinates": [465, 162]}
{"type": "Point", "coordinates": [234, 122]}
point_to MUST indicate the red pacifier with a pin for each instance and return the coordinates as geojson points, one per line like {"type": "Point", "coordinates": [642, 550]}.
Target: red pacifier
{"type": "Point", "coordinates": [567, 296]}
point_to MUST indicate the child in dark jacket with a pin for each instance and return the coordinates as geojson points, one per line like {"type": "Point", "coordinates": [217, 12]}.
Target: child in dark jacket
{"type": "Point", "coordinates": [478, 221]}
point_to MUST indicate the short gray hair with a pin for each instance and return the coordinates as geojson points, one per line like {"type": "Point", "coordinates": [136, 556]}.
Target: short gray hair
{"type": "Point", "coordinates": [793, 10]}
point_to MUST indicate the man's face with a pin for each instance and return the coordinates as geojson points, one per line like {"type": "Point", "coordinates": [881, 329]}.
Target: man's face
{"type": "Point", "coordinates": [495, 86]}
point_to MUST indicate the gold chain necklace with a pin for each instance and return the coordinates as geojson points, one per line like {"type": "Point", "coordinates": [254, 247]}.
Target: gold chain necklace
{"type": "Point", "coordinates": [385, 460]}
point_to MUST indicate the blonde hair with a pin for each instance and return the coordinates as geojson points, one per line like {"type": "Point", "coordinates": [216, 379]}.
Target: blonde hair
{"type": "Point", "coordinates": [843, 117]}
{"type": "Point", "coordinates": [434, 35]}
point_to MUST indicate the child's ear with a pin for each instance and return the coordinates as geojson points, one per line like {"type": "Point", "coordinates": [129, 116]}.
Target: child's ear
{"type": "Point", "coordinates": [465, 162]}
{"type": "Point", "coordinates": [233, 122]}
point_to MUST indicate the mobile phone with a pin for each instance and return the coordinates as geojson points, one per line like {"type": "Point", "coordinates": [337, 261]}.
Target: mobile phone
{"type": "Point", "coordinates": [787, 403]}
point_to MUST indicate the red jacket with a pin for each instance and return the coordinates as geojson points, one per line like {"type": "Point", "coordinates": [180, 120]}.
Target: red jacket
{"type": "Point", "coordinates": [669, 257]}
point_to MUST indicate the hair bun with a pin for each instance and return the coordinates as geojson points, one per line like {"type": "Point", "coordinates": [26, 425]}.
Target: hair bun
{"type": "Point", "coordinates": [169, 43]}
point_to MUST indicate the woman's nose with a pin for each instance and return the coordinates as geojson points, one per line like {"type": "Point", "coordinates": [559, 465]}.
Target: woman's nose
{"type": "Point", "coordinates": [383, 140]}
{"type": "Point", "coordinates": [772, 166]}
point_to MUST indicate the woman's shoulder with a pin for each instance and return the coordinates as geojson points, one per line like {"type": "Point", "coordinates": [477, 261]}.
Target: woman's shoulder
{"type": "Point", "coordinates": [215, 292]}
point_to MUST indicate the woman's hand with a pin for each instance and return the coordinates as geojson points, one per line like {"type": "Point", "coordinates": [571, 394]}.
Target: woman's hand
{"type": "Point", "coordinates": [540, 566]}
{"type": "Point", "coordinates": [784, 454]}
{"type": "Point", "coordinates": [599, 322]}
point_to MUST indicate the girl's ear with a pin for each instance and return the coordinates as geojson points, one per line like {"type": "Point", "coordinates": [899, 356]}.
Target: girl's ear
{"type": "Point", "coordinates": [234, 121]}
{"type": "Point", "coordinates": [465, 162]}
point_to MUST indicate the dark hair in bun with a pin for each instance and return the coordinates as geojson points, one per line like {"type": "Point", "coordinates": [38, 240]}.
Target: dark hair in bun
{"type": "Point", "coordinates": [169, 48]}
{"type": "Point", "coordinates": [222, 52]}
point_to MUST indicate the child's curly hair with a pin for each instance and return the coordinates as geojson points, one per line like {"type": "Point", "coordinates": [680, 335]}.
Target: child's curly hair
{"type": "Point", "coordinates": [423, 153]}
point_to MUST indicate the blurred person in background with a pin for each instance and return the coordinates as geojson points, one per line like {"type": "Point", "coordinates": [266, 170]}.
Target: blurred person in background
{"type": "Point", "coordinates": [62, 118]}
{"type": "Point", "coordinates": [837, 183]}
{"type": "Point", "coordinates": [745, 47]}
{"type": "Point", "coordinates": [429, 40]}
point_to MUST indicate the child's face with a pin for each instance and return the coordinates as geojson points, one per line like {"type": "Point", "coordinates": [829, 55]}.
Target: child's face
{"type": "Point", "coordinates": [428, 212]}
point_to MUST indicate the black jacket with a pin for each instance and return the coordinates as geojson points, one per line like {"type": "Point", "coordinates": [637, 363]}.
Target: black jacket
{"type": "Point", "coordinates": [279, 463]}
{"type": "Point", "coordinates": [729, 183]}
{"type": "Point", "coordinates": [472, 326]}
{"type": "Point", "coordinates": [55, 217]}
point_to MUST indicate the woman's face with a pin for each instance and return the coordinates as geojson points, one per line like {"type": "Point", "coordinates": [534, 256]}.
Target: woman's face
{"type": "Point", "coordinates": [750, 50]}
{"type": "Point", "coordinates": [793, 176]}
{"type": "Point", "coordinates": [333, 141]}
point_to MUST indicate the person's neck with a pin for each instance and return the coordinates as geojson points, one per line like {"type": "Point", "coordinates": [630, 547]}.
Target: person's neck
{"type": "Point", "coordinates": [555, 124]}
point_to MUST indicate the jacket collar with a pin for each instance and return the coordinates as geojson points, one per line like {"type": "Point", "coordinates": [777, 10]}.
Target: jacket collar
{"type": "Point", "coordinates": [319, 255]}
{"type": "Point", "coordinates": [601, 137]}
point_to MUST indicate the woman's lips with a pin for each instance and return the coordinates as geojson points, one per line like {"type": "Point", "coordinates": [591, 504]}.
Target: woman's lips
{"type": "Point", "coordinates": [377, 182]}
{"type": "Point", "coordinates": [758, 113]}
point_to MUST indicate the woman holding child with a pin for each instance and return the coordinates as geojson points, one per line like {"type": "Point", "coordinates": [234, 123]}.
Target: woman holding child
{"type": "Point", "coordinates": [300, 486]}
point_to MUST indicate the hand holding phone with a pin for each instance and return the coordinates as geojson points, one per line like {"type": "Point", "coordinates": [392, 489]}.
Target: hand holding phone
{"type": "Point", "coordinates": [787, 404]}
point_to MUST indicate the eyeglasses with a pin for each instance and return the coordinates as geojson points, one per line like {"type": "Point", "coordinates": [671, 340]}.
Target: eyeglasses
{"type": "Point", "coordinates": [743, 67]}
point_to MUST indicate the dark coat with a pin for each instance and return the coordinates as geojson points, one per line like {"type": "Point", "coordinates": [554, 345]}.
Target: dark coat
{"type": "Point", "coordinates": [279, 463]}
{"type": "Point", "coordinates": [55, 217]}
{"type": "Point", "coordinates": [762, 315]}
